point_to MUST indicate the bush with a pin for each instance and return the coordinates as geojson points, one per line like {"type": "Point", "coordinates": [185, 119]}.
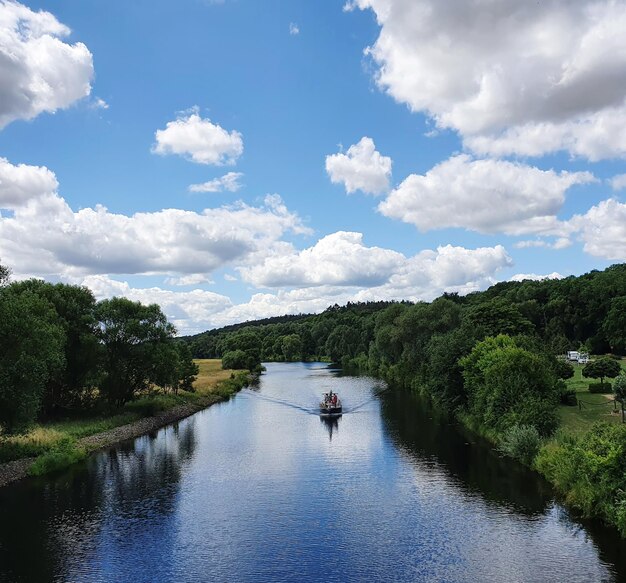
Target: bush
{"type": "Point", "coordinates": [522, 443]}
{"type": "Point", "coordinates": [567, 395]}
{"type": "Point", "coordinates": [604, 388]}
{"type": "Point", "coordinates": [57, 459]}
{"type": "Point", "coordinates": [590, 471]}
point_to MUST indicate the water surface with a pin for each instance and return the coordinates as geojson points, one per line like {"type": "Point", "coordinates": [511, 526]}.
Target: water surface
{"type": "Point", "coordinates": [263, 489]}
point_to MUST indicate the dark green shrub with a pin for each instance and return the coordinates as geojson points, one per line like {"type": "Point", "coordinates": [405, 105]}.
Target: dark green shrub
{"type": "Point", "coordinates": [603, 388]}
{"type": "Point", "coordinates": [567, 395]}
{"type": "Point", "coordinates": [57, 459]}
{"type": "Point", "coordinates": [521, 442]}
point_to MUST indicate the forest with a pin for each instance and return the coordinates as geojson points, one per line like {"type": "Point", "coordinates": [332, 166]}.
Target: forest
{"type": "Point", "coordinates": [490, 358]}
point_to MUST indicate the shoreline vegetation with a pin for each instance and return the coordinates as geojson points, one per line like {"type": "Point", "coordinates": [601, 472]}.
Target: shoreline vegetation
{"type": "Point", "coordinates": [495, 360]}
{"type": "Point", "coordinates": [52, 446]}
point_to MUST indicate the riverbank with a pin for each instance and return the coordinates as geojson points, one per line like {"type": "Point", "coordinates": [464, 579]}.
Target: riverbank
{"type": "Point", "coordinates": [54, 446]}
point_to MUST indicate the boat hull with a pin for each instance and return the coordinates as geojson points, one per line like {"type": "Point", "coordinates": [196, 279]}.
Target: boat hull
{"type": "Point", "coordinates": [330, 411]}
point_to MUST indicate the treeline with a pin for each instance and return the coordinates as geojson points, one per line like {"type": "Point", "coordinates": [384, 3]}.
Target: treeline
{"type": "Point", "coordinates": [61, 351]}
{"type": "Point", "coordinates": [586, 312]}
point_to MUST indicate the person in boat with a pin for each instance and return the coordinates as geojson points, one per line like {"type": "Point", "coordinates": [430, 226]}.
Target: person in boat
{"type": "Point", "coordinates": [334, 400]}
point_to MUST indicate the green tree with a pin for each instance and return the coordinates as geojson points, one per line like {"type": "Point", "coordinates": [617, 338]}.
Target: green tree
{"type": "Point", "coordinates": [292, 347]}
{"type": "Point", "coordinates": [187, 369]}
{"type": "Point", "coordinates": [619, 386]}
{"type": "Point", "coordinates": [601, 368]}
{"type": "Point", "coordinates": [5, 274]}
{"type": "Point", "coordinates": [508, 385]}
{"type": "Point", "coordinates": [31, 342]}
{"type": "Point", "coordinates": [235, 359]}
{"type": "Point", "coordinates": [614, 325]}
{"type": "Point", "coordinates": [132, 337]}
{"type": "Point", "coordinates": [75, 308]}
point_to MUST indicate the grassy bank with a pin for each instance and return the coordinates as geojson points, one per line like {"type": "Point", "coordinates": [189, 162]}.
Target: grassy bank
{"type": "Point", "coordinates": [56, 445]}
{"type": "Point", "coordinates": [586, 460]}
{"type": "Point", "coordinates": [593, 407]}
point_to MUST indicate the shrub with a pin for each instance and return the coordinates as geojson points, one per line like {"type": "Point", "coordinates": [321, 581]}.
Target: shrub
{"type": "Point", "coordinates": [590, 470]}
{"type": "Point", "coordinates": [522, 443]}
{"type": "Point", "coordinates": [604, 388]}
{"type": "Point", "coordinates": [57, 459]}
{"type": "Point", "coordinates": [567, 395]}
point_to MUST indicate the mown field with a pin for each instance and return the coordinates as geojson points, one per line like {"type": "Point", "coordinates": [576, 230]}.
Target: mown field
{"type": "Point", "coordinates": [593, 407]}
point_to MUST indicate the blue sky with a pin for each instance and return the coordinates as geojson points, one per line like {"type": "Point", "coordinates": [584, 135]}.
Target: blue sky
{"type": "Point", "coordinates": [380, 149]}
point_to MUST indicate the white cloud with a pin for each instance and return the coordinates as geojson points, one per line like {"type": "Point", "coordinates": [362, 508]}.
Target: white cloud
{"type": "Point", "coordinates": [361, 168]}
{"type": "Point", "coordinates": [294, 29]}
{"type": "Point", "coordinates": [38, 71]}
{"type": "Point", "coordinates": [560, 243]}
{"type": "Point", "coordinates": [44, 236]}
{"type": "Point", "coordinates": [99, 103]}
{"type": "Point", "coordinates": [229, 182]}
{"type": "Point", "coordinates": [199, 140]}
{"type": "Point", "coordinates": [22, 183]}
{"type": "Point", "coordinates": [618, 182]}
{"type": "Point", "coordinates": [535, 277]}
{"type": "Point", "coordinates": [488, 196]}
{"type": "Point", "coordinates": [339, 259]}
{"type": "Point", "coordinates": [509, 76]}
{"type": "Point", "coordinates": [603, 230]}
{"type": "Point", "coordinates": [447, 269]}
{"type": "Point", "coordinates": [191, 311]}
{"type": "Point", "coordinates": [422, 277]}
{"type": "Point", "coordinates": [191, 279]}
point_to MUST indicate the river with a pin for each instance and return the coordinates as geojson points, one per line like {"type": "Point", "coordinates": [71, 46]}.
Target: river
{"type": "Point", "coordinates": [261, 489]}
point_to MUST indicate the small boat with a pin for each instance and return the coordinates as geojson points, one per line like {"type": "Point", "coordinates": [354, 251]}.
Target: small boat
{"type": "Point", "coordinates": [330, 404]}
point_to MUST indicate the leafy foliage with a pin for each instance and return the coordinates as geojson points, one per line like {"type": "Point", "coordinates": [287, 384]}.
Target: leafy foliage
{"type": "Point", "coordinates": [601, 368]}
{"type": "Point", "coordinates": [591, 471]}
{"type": "Point", "coordinates": [521, 442]}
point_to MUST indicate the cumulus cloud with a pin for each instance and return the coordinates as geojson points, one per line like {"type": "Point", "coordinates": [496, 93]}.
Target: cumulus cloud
{"type": "Point", "coordinates": [294, 29]}
{"type": "Point", "coordinates": [22, 183]}
{"type": "Point", "coordinates": [229, 182]}
{"type": "Point", "coordinates": [44, 236]}
{"type": "Point", "coordinates": [199, 140]}
{"type": "Point", "coordinates": [422, 277]}
{"type": "Point", "coordinates": [339, 259]}
{"type": "Point", "coordinates": [559, 243]}
{"type": "Point", "coordinates": [603, 230]}
{"type": "Point", "coordinates": [535, 277]}
{"type": "Point", "coordinates": [488, 196]}
{"type": "Point", "coordinates": [360, 168]}
{"type": "Point", "coordinates": [511, 77]}
{"type": "Point", "coordinates": [190, 311]}
{"type": "Point", "coordinates": [191, 279]}
{"type": "Point", "coordinates": [618, 182]}
{"type": "Point", "coordinates": [38, 71]}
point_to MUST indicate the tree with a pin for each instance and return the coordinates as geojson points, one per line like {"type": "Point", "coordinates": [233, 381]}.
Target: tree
{"type": "Point", "coordinates": [563, 369]}
{"type": "Point", "coordinates": [291, 347]}
{"type": "Point", "coordinates": [235, 359]}
{"type": "Point", "coordinates": [187, 369]}
{"type": "Point", "coordinates": [619, 387]}
{"type": "Point", "coordinates": [603, 367]}
{"type": "Point", "coordinates": [5, 274]}
{"type": "Point", "coordinates": [74, 306]}
{"type": "Point", "coordinates": [508, 385]}
{"type": "Point", "coordinates": [614, 325]}
{"type": "Point", "coordinates": [31, 341]}
{"type": "Point", "coordinates": [132, 337]}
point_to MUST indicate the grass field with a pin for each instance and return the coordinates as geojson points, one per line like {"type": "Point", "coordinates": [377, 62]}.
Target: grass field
{"type": "Point", "coordinates": [594, 407]}
{"type": "Point", "coordinates": [212, 384]}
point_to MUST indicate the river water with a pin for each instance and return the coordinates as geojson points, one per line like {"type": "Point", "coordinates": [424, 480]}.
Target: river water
{"type": "Point", "coordinates": [262, 489]}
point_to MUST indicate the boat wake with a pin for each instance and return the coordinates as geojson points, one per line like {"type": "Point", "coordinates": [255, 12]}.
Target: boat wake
{"type": "Point", "coordinates": [314, 409]}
